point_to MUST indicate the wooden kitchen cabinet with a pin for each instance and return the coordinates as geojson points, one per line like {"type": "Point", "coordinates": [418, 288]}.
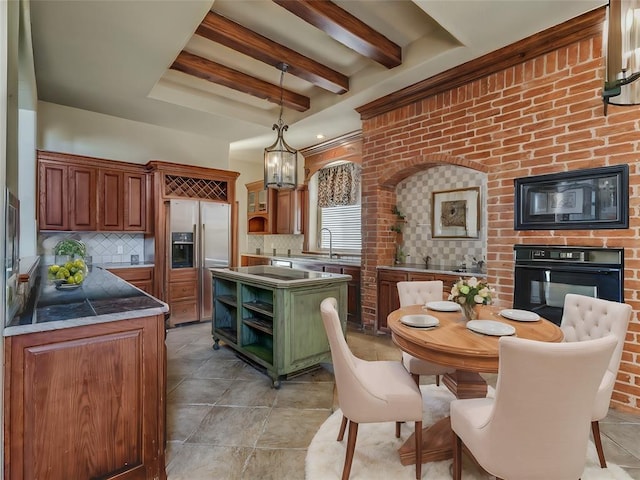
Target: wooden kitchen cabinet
{"type": "Point", "coordinates": [86, 402]}
{"type": "Point", "coordinates": [271, 211]}
{"type": "Point", "coordinates": [183, 296]}
{"type": "Point", "coordinates": [78, 193]}
{"type": "Point", "coordinates": [290, 211]}
{"type": "Point", "coordinates": [250, 260]}
{"type": "Point", "coordinates": [353, 290]}
{"type": "Point", "coordinates": [259, 202]}
{"type": "Point", "coordinates": [388, 299]}
{"type": "Point", "coordinates": [123, 201]}
{"type": "Point", "coordinates": [141, 277]}
{"type": "Point", "coordinates": [111, 194]}
{"type": "Point", "coordinates": [66, 196]}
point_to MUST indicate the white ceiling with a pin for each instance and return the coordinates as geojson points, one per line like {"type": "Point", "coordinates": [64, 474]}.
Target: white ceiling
{"type": "Point", "coordinates": [113, 57]}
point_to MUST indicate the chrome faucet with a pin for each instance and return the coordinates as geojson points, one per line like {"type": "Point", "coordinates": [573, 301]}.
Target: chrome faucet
{"type": "Point", "coordinates": [330, 241]}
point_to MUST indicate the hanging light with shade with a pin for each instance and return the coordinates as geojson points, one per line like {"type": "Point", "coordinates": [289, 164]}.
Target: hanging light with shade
{"type": "Point", "coordinates": [280, 160]}
{"type": "Point", "coordinates": [622, 54]}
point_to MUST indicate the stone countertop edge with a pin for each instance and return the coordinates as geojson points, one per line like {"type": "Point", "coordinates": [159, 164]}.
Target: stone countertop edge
{"type": "Point", "coordinates": [83, 321]}
{"type": "Point", "coordinates": [422, 269]}
{"type": "Point", "coordinates": [275, 283]}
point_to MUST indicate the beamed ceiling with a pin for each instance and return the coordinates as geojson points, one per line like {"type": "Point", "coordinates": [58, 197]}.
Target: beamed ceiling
{"type": "Point", "coordinates": [213, 68]}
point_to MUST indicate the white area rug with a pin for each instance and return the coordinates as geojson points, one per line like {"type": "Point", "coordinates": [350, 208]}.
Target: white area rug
{"type": "Point", "coordinates": [376, 455]}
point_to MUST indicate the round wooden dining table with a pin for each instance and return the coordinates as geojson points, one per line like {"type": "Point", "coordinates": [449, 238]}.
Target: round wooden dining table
{"type": "Point", "coordinates": [452, 344]}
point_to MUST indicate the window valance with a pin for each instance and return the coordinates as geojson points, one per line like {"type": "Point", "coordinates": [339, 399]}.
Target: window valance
{"type": "Point", "coordinates": [339, 185]}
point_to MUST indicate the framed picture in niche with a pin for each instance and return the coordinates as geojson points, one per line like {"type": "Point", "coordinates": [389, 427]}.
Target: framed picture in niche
{"type": "Point", "coordinates": [456, 213]}
{"type": "Point", "coordinates": [586, 199]}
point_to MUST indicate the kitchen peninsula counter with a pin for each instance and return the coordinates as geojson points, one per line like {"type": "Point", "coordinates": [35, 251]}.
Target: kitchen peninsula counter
{"type": "Point", "coordinates": [86, 364]}
{"type": "Point", "coordinates": [271, 315]}
{"type": "Point", "coordinates": [102, 297]}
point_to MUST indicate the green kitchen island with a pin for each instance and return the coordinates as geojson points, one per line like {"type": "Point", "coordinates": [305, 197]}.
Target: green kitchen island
{"type": "Point", "coordinates": [271, 315]}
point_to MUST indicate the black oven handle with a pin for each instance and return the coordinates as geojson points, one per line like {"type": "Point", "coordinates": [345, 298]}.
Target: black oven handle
{"type": "Point", "coordinates": [576, 269]}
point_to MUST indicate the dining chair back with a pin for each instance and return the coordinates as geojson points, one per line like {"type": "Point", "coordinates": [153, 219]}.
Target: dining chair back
{"type": "Point", "coordinates": [537, 426]}
{"type": "Point", "coordinates": [369, 391]}
{"type": "Point", "coordinates": [586, 318]}
{"type": "Point", "coordinates": [419, 293]}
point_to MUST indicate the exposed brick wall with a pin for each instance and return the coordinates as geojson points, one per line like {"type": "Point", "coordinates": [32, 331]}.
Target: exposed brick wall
{"type": "Point", "coordinates": [542, 116]}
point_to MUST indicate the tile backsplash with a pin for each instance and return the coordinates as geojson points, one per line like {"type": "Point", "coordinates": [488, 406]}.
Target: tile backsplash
{"type": "Point", "coordinates": [102, 247]}
{"type": "Point", "coordinates": [413, 196]}
{"type": "Point", "coordinates": [282, 243]}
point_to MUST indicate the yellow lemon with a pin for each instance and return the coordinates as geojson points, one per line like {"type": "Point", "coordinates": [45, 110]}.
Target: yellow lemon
{"type": "Point", "coordinates": [54, 268]}
{"type": "Point", "coordinates": [78, 278]}
{"type": "Point", "coordinates": [79, 263]}
{"type": "Point", "coordinates": [71, 280]}
{"type": "Point", "coordinates": [68, 265]}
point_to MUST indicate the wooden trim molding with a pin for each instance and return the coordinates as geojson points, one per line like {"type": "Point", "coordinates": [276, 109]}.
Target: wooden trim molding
{"type": "Point", "coordinates": [580, 28]}
{"type": "Point", "coordinates": [346, 147]}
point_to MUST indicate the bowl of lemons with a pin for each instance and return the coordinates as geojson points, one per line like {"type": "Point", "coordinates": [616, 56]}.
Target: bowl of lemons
{"type": "Point", "coordinates": [70, 275]}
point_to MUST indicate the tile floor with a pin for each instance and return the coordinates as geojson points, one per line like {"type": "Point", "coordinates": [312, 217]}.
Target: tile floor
{"type": "Point", "coordinates": [225, 422]}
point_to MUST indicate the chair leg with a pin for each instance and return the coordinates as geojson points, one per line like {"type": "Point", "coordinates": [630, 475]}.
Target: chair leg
{"type": "Point", "coordinates": [595, 429]}
{"type": "Point", "coordinates": [416, 378]}
{"type": "Point", "coordinates": [418, 437]}
{"type": "Point", "coordinates": [343, 427]}
{"type": "Point", "coordinates": [398, 429]}
{"type": "Point", "coordinates": [457, 457]}
{"type": "Point", "coordinates": [351, 446]}
{"type": "Point", "coordinates": [437, 380]}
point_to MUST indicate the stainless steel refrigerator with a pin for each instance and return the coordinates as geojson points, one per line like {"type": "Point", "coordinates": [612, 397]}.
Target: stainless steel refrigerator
{"type": "Point", "coordinates": [199, 238]}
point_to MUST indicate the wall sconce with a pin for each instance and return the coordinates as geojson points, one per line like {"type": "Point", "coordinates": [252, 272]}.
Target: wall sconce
{"type": "Point", "coordinates": [622, 54]}
{"type": "Point", "coordinates": [280, 160]}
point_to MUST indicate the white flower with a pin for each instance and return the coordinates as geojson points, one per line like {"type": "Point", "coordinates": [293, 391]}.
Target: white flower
{"type": "Point", "coordinates": [472, 282]}
{"type": "Point", "coordinates": [478, 299]}
{"type": "Point", "coordinates": [484, 293]}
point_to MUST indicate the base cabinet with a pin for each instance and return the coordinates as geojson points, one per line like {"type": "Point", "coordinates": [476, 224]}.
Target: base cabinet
{"type": "Point", "coordinates": [141, 277]}
{"type": "Point", "coordinates": [388, 299]}
{"type": "Point", "coordinates": [86, 402]}
{"type": "Point", "coordinates": [278, 328]}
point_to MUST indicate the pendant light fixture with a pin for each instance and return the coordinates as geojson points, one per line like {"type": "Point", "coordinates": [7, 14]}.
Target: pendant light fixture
{"type": "Point", "coordinates": [622, 54]}
{"type": "Point", "coordinates": [280, 160]}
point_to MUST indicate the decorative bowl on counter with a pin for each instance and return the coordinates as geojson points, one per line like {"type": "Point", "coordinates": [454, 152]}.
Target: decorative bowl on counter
{"type": "Point", "coordinates": [69, 275]}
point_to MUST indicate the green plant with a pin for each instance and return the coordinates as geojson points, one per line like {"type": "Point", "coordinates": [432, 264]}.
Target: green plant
{"type": "Point", "coordinates": [396, 228]}
{"type": "Point", "coordinates": [397, 212]}
{"type": "Point", "coordinates": [70, 247]}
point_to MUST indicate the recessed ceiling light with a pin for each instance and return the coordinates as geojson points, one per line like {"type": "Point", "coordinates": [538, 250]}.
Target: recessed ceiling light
{"type": "Point", "coordinates": [320, 136]}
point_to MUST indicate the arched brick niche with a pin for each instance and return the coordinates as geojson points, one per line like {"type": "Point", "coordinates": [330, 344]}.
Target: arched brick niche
{"type": "Point", "coordinates": [379, 181]}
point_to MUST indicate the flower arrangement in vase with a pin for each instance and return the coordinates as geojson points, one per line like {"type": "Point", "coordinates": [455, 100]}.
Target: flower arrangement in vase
{"type": "Point", "coordinates": [469, 292]}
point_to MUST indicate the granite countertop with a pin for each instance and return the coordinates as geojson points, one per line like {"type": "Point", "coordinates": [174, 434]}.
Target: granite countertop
{"type": "Point", "coordinates": [278, 277]}
{"type": "Point", "coordinates": [102, 297]}
{"type": "Point", "coordinates": [444, 269]}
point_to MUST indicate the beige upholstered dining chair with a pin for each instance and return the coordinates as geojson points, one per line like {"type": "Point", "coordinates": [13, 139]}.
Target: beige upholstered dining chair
{"type": "Point", "coordinates": [537, 427]}
{"type": "Point", "coordinates": [586, 318]}
{"type": "Point", "coordinates": [419, 293]}
{"type": "Point", "coordinates": [369, 392]}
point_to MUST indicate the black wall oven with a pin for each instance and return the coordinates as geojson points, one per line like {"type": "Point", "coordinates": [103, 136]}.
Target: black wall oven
{"type": "Point", "coordinates": [544, 274]}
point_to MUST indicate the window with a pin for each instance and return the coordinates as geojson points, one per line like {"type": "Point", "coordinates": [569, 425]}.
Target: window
{"type": "Point", "coordinates": [345, 225]}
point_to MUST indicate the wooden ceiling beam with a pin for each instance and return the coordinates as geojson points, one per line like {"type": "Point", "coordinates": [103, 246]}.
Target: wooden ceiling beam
{"type": "Point", "coordinates": [346, 29]}
{"type": "Point", "coordinates": [220, 29]}
{"type": "Point", "coordinates": [216, 73]}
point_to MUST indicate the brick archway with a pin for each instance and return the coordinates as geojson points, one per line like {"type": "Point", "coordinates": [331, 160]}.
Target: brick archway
{"type": "Point", "coordinates": [378, 199]}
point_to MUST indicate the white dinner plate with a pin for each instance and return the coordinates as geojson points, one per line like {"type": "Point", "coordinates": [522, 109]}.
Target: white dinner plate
{"type": "Point", "coordinates": [422, 321]}
{"type": "Point", "coordinates": [443, 306]}
{"type": "Point", "coordinates": [490, 327]}
{"type": "Point", "coordinates": [520, 315]}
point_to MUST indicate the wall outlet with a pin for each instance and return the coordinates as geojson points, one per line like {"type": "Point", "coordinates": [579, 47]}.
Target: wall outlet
{"type": "Point", "coordinates": [119, 249]}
